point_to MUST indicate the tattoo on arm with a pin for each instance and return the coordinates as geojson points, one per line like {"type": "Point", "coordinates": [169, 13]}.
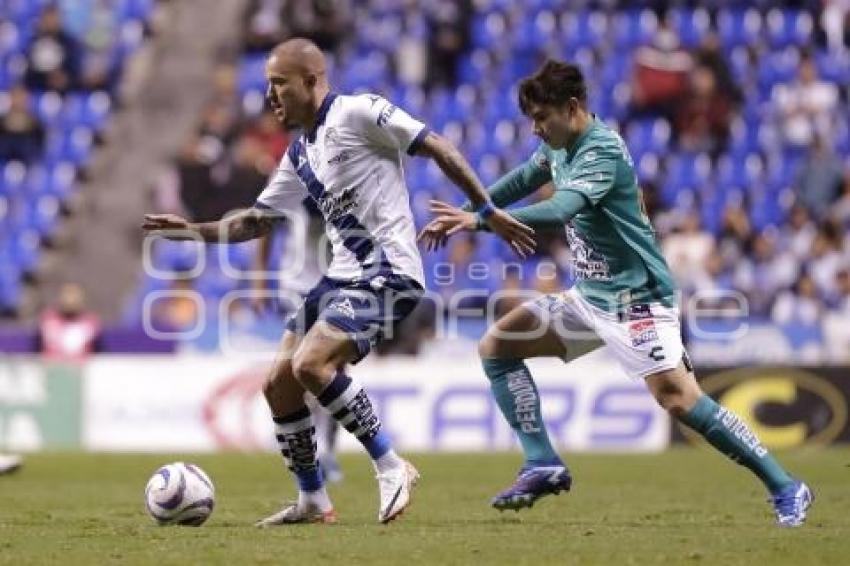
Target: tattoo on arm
{"type": "Point", "coordinates": [456, 168]}
{"type": "Point", "coordinates": [241, 227]}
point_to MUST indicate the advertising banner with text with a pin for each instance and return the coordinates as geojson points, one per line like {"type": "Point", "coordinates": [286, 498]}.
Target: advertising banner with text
{"type": "Point", "coordinates": [427, 404]}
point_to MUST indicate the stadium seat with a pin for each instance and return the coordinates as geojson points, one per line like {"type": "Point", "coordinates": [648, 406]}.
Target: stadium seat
{"type": "Point", "coordinates": [739, 27]}
{"type": "Point", "coordinates": [690, 25]}
{"type": "Point", "coordinates": [788, 27]}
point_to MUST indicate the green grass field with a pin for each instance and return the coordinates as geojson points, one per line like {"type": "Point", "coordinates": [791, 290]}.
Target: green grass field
{"type": "Point", "coordinates": [685, 506]}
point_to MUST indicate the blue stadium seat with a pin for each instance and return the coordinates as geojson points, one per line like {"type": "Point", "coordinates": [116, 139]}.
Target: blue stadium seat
{"type": "Point", "coordinates": [739, 27]}
{"type": "Point", "coordinates": [691, 25]}
{"type": "Point", "coordinates": [252, 73]}
{"type": "Point", "coordinates": [44, 215]}
{"type": "Point", "coordinates": [26, 250]}
{"type": "Point", "coordinates": [788, 27]}
{"type": "Point", "coordinates": [488, 30]}
{"type": "Point", "coordinates": [634, 27]}
{"type": "Point", "coordinates": [583, 29]}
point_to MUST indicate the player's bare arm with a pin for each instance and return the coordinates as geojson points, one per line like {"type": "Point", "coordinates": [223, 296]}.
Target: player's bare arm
{"type": "Point", "coordinates": [454, 165]}
{"type": "Point", "coordinates": [243, 226]}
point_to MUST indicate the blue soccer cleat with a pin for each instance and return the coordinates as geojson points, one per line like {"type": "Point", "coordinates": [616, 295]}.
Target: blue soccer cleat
{"type": "Point", "coordinates": [531, 484]}
{"type": "Point", "coordinates": [792, 503]}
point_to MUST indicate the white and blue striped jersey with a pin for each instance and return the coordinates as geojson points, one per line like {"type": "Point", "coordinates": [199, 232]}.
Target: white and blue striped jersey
{"type": "Point", "coordinates": [350, 165]}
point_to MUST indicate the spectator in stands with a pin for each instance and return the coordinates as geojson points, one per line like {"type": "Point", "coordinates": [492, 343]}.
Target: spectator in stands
{"type": "Point", "coordinates": [825, 259]}
{"type": "Point", "coordinates": [806, 107]}
{"type": "Point", "coordinates": [735, 233]}
{"type": "Point", "coordinates": [69, 331]}
{"type": "Point", "coordinates": [21, 132]}
{"type": "Point", "coordinates": [835, 20]}
{"type": "Point", "coordinates": [98, 37]}
{"type": "Point", "coordinates": [660, 78]}
{"type": "Point", "coordinates": [193, 169]}
{"type": "Point", "coordinates": [710, 55]}
{"type": "Point", "coordinates": [799, 232]}
{"type": "Point", "coordinates": [801, 305]}
{"type": "Point", "coordinates": [449, 31]}
{"type": "Point", "coordinates": [841, 210]}
{"type": "Point", "coordinates": [703, 118]}
{"type": "Point", "coordinates": [765, 272]}
{"type": "Point", "coordinates": [248, 172]}
{"type": "Point", "coordinates": [819, 179]}
{"type": "Point", "coordinates": [267, 133]}
{"type": "Point", "coordinates": [54, 57]}
{"type": "Point", "coordinates": [262, 25]}
{"type": "Point", "coordinates": [836, 331]}
{"type": "Point", "coordinates": [687, 251]}
{"type": "Point", "coordinates": [327, 23]}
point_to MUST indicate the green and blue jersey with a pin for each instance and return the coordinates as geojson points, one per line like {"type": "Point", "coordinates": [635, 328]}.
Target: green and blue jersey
{"type": "Point", "coordinates": [616, 257]}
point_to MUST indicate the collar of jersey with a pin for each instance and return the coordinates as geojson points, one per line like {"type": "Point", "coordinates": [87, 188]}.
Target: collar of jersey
{"type": "Point", "coordinates": [321, 115]}
{"type": "Point", "coordinates": [571, 151]}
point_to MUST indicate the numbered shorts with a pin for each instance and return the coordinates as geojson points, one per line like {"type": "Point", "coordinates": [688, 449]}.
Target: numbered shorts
{"type": "Point", "coordinates": [368, 310]}
{"type": "Point", "coordinates": [645, 339]}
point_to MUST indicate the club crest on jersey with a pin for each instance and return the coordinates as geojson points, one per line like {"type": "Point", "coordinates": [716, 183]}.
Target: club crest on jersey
{"type": "Point", "coordinates": [331, 136]}
{"type": "Point", "coordinates": [643, 332]}
{"type": "Point", "coordinates": [541, 160]}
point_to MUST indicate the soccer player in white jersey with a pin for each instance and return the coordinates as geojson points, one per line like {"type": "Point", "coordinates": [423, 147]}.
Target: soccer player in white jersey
{"type": "Point", "coordinates": [348, 160]}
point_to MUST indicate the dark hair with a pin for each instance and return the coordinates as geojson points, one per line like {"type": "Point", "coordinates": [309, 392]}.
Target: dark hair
{"type": "Point", "coordinates": [553, 84]}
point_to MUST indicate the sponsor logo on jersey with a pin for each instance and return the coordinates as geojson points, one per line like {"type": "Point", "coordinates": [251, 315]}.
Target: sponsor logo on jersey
{"type": "Point", "coordinates": [340, 157]}
{"type": "Point", "coordinates": [385, 114]}
{"type": "Point", "coordinates": [335, 205]}
{"type": "Point", "coordinates": [642, 332]}
{"type": "Point", "coordinates": [587, 263]}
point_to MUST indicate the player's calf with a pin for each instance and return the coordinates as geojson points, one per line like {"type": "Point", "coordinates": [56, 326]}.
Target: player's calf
{"type": "Point", "coordinates": [677, 391]}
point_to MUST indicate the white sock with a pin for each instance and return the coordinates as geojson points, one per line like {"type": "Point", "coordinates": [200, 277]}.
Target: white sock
{"type": "Point", "coordinates": [388, 462]}
{"type": "Point", "coordinates": [318, 498]}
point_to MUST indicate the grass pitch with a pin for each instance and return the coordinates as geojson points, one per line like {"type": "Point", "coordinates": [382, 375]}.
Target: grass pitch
{"type": "Point", "coordinates": [685, 506]}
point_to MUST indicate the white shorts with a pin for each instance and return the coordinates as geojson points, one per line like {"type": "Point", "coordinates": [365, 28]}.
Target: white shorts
{"type": "Point", "coordinates": [645, 339]}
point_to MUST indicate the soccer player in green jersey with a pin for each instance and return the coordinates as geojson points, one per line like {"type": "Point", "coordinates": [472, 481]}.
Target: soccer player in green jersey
{"type": "Point", "coordinates": [625, 297]}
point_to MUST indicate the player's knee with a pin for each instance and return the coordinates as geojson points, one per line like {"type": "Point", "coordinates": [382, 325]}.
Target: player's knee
{"type": "Point", "coordinates": [673, 401]}
{"type": "Point", "coordinates": [488, 347]}
{"type": "Point", "coordinates": [282, 373]}
{"type": "Point", "coordinates": [309, 369]}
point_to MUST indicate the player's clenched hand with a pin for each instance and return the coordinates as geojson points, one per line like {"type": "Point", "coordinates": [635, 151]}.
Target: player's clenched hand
{"type": "Point", "coordinates": [518, 235]}
{"type": "Point", "coordinates": [171, 223]}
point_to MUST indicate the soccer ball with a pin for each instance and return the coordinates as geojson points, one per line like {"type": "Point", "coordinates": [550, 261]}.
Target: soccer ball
{"type": "Point", "coordinates": [180, 494]}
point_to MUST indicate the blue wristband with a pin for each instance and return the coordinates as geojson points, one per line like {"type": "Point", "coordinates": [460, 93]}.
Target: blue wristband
{"type": "Point", "coordinates": [486, 210]}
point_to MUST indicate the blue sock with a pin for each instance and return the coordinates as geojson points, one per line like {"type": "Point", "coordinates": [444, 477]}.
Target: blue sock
{"type": "Point", "coordinates": [730, 435]}
{"type": "Point", "coordinates": [296, 437]}
{"type": "Point", "coordinates": [517, 397]}
{"type": "Point", "coordinates": [349, 404]}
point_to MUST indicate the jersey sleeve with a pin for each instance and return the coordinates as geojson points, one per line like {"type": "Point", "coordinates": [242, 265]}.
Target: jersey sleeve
{"type": "Point", "coordinates": [387, 125]}
{"type": "Point", "coordinates": [520, 181]}
{"type": "Point", "coordinates": [594, 173]}
{"type": "Point", "coordinates": [284, 191]}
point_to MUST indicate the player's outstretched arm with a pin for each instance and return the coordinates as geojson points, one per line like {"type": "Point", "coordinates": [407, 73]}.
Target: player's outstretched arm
{"type": "Point", "coordinates": [240, 227]}
{"type": "Point", "coordinates": [456, 168]}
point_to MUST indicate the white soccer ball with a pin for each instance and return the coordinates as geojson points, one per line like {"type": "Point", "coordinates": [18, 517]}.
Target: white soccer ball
{"type": "Point", "coordinates": [180, 494]}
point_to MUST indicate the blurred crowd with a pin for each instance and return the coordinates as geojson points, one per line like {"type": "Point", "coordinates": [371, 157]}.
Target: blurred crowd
{"type": "Point", "coordinates": [61, 63]}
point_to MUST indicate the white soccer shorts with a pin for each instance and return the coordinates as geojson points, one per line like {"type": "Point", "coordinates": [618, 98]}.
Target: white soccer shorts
{"type": "Point", "coordinates": [645, 339]}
